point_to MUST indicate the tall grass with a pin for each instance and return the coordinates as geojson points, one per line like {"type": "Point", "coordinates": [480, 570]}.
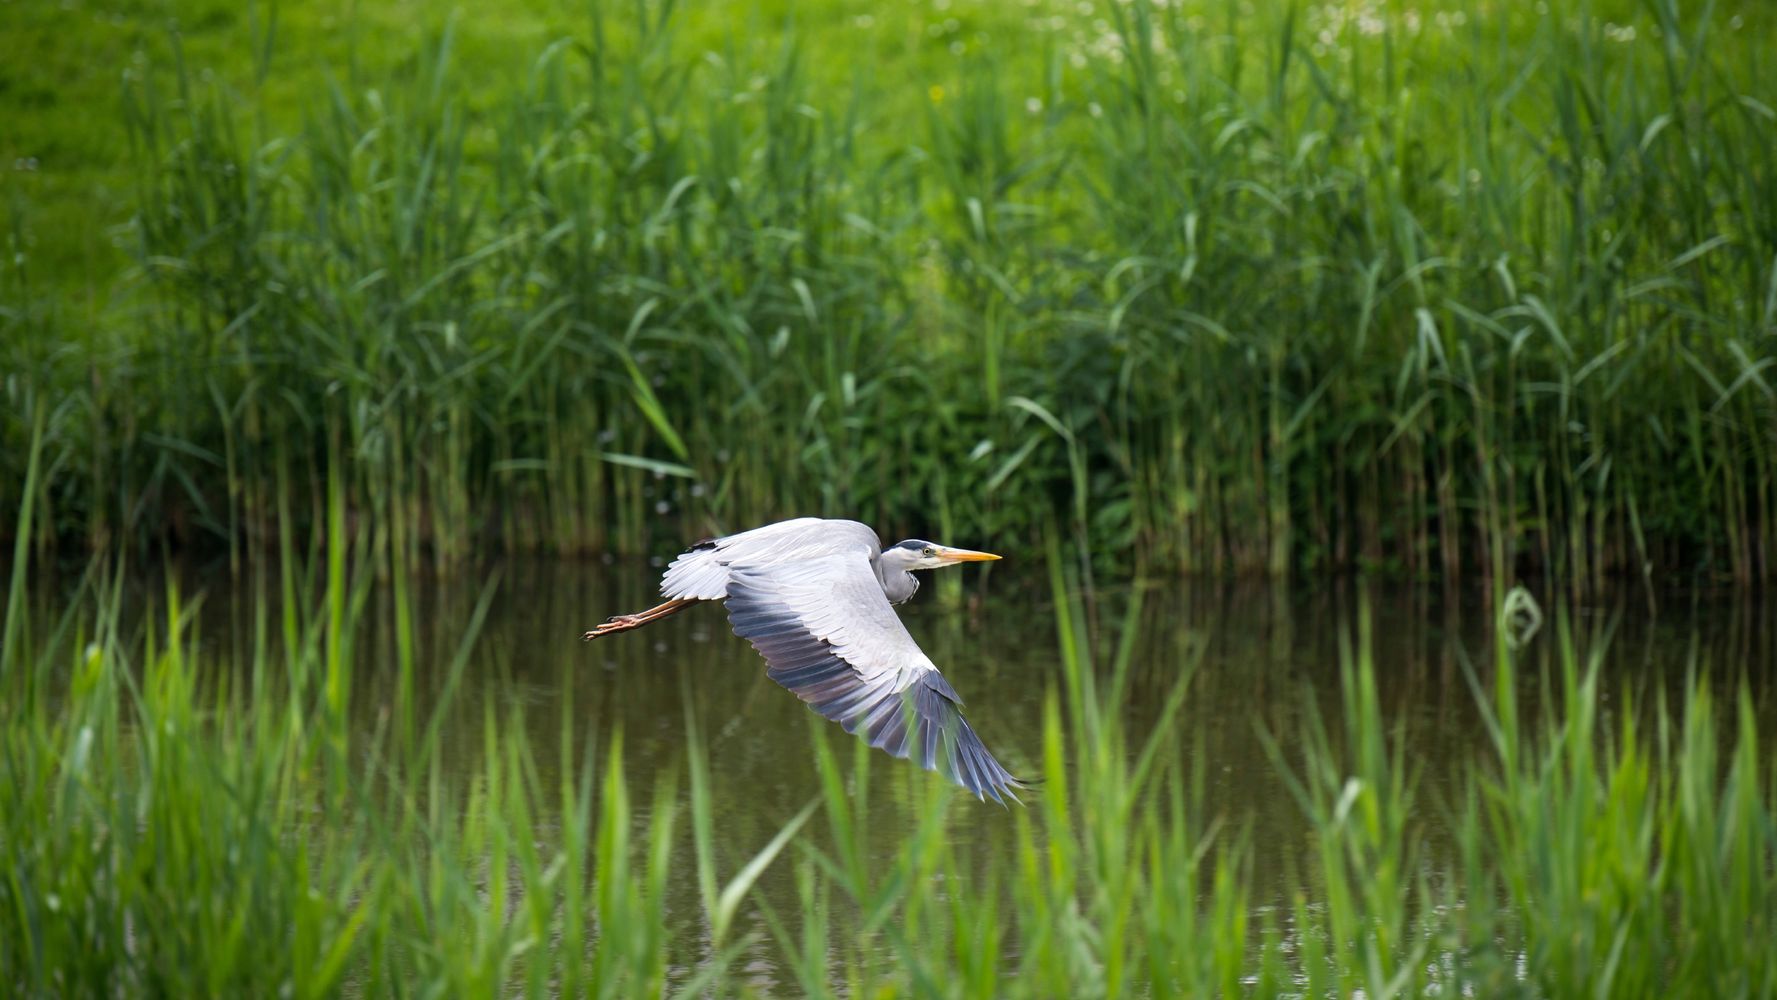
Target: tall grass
{"type": "Point", "coordinates": [171, 824]}
{"type": "Point", "coordinates": [1432, 291]}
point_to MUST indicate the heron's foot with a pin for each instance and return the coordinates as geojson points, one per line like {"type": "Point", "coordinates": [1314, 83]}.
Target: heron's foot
{"type": "Point", "coordinates": [616, 623]}
{"type": "Point", "coordinates": [623, 623]}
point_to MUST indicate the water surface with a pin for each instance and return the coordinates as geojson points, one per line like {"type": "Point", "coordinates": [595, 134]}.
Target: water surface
{"type": "Point", "coordinates": [1262, 655]}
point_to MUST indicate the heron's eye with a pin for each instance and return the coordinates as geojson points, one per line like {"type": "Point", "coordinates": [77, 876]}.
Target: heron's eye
{"type": "Point", "coordinates": [928, 552]}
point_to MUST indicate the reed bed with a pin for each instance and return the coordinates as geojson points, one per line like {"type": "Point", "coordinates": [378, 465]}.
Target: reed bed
{"type": "Point", "coordinates": [1447, 290]}
{"type": "Point", "coordinates": [174, 825]}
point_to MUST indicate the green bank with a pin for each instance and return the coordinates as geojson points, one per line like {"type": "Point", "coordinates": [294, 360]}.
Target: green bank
{"type": "Point", "coordinates": [1456, 289]}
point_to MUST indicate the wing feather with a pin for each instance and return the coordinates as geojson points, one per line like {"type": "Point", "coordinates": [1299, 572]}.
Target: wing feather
{"type": "Point", "coordinates": [828, 634]}
{"type": "Point", "coordinates": [702, 571]}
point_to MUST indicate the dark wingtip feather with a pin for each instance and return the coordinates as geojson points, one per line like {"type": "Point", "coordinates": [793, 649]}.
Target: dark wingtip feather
{"type": "Point", "coordinates": [963, 757]}
{"type": "Point", "coordinates": [923, 723]}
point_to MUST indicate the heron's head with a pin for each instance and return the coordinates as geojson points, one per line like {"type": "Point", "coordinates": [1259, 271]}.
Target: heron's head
{"type": "Point", "coordinates": [916, 554]}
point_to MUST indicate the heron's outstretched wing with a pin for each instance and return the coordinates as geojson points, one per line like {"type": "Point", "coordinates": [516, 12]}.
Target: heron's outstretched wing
{"type": "Point", "coordinates": [828, 634]}
{"type": "Point", "coordinates": [701, 572]}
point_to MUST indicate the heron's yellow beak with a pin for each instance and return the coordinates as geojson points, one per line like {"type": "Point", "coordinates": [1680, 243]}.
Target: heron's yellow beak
{"type": "Point", "coordinates": [949, 554]}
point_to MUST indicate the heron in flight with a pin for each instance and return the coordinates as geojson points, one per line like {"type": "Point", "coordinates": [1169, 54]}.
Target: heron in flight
{"type": "Point", "coordinates": [814, 597]}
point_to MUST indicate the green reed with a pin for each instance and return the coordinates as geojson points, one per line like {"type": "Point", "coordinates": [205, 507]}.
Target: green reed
{"type": "Point", "coordinates": [1430, 291]}
{"type": "Point", "coordinates": [171, 823]}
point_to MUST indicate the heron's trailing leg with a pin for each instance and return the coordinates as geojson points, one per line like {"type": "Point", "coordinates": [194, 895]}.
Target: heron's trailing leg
{"type": "Point", "coordinates": [623, 623]}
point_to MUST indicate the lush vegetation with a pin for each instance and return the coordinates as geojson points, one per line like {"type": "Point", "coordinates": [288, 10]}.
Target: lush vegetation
{"type": "Point", "coordinates": [1450, 288]}
{"type": "Point", "coordinates": [173, 824]}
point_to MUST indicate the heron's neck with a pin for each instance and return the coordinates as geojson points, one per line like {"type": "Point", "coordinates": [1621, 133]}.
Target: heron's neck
{"type": "Point", "coordinates": [899, 585]}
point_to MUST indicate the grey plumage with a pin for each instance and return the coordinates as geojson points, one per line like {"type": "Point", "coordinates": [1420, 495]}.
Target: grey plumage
{"type": "Point", "coordinates": [813, 597]}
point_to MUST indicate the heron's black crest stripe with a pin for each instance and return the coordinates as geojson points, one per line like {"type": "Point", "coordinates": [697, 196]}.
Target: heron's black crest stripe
{"type": "Point", "coordinates": [923, 723]}
{"type": "Point", "coordinates": [702, 544]}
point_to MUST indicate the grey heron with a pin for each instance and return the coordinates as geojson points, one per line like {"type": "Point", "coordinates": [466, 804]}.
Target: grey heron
{"type": "Point", "coordinates": [814, 597]}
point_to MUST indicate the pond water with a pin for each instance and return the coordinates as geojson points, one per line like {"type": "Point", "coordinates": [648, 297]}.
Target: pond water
{"type": "Point", "coordinates": [1262, 655]}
